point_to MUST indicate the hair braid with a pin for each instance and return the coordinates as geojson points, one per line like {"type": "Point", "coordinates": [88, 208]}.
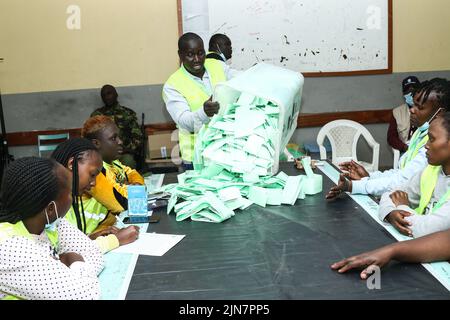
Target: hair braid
{"type": "Point", "coordinates": [78, 149]}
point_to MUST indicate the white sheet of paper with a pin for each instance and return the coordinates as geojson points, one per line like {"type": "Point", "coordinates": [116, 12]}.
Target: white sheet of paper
{"type": "Point", "coordinates": [253, 144]}
{"type": "Point", "coordinates": [246, 98]}
{"type": "Point", "coordinates": [246, 121]}
{"type": "Point", "coordinates": [151, 244]}
{"type": "Point", "coordinates": [291, 190]}
{"type": "Point", "coordinates": [229, 193]}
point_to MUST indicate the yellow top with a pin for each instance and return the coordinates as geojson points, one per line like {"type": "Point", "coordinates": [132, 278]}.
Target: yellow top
{"type": "Point", "coordinates": [111, 186]}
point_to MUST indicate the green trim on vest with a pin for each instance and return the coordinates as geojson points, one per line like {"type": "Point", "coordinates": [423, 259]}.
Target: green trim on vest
{"type": "Point", "coordinates": [428, 182]}
{"type": "Point", "coordinates": [195, 96]}
{"type": "Point", "coordinates": [11, 297]}
{"type": "Point", "coordinates": [414, 147]}
{"type": "Point", "coordinates": [94, 212]}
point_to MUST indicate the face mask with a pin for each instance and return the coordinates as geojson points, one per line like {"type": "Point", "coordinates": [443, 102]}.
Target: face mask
{"type": "Point", "coordinates": [426, 125]}
{"type": "Point", "coordinates": [54, 225]}
{"type": "Point", "coordinates": [409, 99]}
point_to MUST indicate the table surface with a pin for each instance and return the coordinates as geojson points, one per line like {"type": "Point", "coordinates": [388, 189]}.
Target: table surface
{"type": "Point", "coordinates": [277, 252]}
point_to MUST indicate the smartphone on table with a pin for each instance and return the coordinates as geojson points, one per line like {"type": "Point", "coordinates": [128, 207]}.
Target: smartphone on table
{"type": "Point", "coordinates": [147, 219]}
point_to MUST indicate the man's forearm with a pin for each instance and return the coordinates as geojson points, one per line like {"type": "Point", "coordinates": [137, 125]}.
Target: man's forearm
{"type": "Point", "coordinates": [434, 247]}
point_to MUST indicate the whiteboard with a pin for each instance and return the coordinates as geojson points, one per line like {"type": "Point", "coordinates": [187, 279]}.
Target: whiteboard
{"type": "Point", "coordinates": [309, 36]}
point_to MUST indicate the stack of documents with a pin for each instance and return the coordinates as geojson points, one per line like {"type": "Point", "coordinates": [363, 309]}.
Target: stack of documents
{"type": "Point", "coordinates": [234, 156]}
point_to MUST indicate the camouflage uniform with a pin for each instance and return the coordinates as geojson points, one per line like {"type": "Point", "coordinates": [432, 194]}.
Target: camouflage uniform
{"type": "Point", "coordinates": [129, 129]}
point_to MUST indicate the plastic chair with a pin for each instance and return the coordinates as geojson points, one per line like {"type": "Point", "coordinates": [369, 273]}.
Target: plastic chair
{"type": "Point", "coordinates": [396, 158]}
{"type": "Point", "coordinates": [51, 141]}
{"type": "Point", "coordinates": [343, 136]}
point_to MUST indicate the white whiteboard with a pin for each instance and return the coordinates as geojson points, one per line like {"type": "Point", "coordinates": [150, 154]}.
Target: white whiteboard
{"type": "Point", "coordinates": [302, 35]}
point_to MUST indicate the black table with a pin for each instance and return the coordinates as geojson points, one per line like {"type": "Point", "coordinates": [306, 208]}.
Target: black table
{"type": "Point", "coordinates": [277, 252]}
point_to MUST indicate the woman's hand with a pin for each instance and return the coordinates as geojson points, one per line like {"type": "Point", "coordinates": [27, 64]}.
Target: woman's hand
{"type": "Point", "coordinates": [399, 198]}
{"type": "Point", "coordinates": [344, 185]}
{"type": "Point", "coordinates": [128, 235]}
{"type": "Point", "coordinates": [397, 219]}
{"type": "Point", "coordinates": [355, 170]}
{"type": "Point", "coordinates": [104, 232]}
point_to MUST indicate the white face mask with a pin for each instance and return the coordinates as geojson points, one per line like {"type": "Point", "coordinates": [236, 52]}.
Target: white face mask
{"type": "Point", "coordinates": [54, 225]}
{"type": "Point", "coordinates": [221, 54]}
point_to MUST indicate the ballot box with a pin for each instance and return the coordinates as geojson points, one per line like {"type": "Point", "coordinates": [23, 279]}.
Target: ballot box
{"type": "Point", "coordinates": [257, 117]}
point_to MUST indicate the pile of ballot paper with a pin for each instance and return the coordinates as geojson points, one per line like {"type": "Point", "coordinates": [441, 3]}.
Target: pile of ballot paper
{"type": "Point", "coordinates": [242, 140]}
{"type": "Point", "coordinates": [234, 156]}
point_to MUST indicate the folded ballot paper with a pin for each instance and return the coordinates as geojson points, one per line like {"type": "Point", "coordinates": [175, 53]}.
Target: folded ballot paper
{"type": "Point", "coordinates": [236, 154]}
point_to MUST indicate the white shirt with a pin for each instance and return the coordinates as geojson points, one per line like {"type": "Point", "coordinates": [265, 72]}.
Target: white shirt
{"type": "Point", "coordinates": [380, 182]}
{"type": "Point", "coordinates": [29, 270]}
{"type": "Point", "coordinates": [179, 109]}
{"type": "Point", "coordinates": [427, 223]}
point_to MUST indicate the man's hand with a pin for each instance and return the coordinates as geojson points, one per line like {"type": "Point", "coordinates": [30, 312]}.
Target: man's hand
{"type": "Point", "coordinates": [397, 219]}
{"type": "Point", "coordinates": [399, 198]}
{"type": "Point", "coordinates": [367, 261]}
{"type": "Point", "coordinates": [127, 235]}
{"type": "Point", "coordinates": [344, 185]}
{"type": "Point", "coordinates": [210, 107]}
{"type": "Point", "coordinates": [70, 257]}
{"type": "Point", "coordinates": [355, 170]}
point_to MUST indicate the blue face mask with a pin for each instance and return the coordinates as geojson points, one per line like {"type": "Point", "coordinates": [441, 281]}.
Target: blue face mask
{"type": "Point", "coordinates": [424, 127]}
{"type": "Point", "coordinates": [409, 99]}
{"type": "Point", "coordinates": [52, 227]}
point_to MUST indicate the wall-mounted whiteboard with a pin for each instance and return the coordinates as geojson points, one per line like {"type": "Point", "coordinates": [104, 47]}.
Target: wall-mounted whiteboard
{"type": "Point", "coordinates": [315, 37]}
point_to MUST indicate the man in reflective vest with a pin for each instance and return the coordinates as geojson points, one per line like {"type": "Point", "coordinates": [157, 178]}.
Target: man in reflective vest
{"type": "Point", "coordinates": [220, 48]}
{"type": "Point", "coordinates": [188, 92]}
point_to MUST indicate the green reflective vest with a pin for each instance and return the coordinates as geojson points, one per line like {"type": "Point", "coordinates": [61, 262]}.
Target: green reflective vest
{"type": "Point", "coordinates": [195, 96]}
{"type": "Point", "coordinates": [418, 140]}
{"type": "Point", "coordinates": [428, 181]}
{"type": "Point", "coordinates": [94, 213]}
{"type": "Point", "coordinates": [9, 230]}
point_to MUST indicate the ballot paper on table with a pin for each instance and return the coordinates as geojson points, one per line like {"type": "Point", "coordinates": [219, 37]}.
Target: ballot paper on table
{"type": "Point", "coordinates": [313, 183]}
{"type": "Point", "coordinates": [151, 244]}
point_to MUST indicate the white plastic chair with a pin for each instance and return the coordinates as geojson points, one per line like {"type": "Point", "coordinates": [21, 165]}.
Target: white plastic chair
{"type": "Point", "coordinates": [396, 158]}
{"type": "Point", "coordinates": [343, 136]}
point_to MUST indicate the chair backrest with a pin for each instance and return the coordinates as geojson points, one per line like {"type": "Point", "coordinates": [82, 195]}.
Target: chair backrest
{"type": "Point", "coordinates": [49, 142]}
{"type": "Point", "coordinates": [343, 136]}
{"type": "Point", "coordinates": [396, 158]}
